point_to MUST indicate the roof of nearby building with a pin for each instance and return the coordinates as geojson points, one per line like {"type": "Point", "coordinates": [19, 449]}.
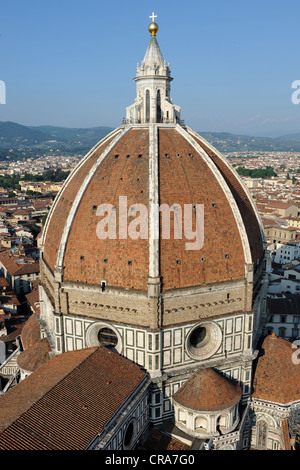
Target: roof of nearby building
{"type": "Point", "coordinates": [36, 350]}
{"type": "Point", "coordinates": [33, 296]}
{"type": "Point", "coordinates": [9, 299]}
{"type": "Point", "coordinates": [158, 440]}
{"type": "Point", "coordinates": [288, 304]}
{"type": "Point", "coordinates": [267, 222]}
{"type": "Point", "coordinates": [16, 266]}
{"type": "Point", "coordinates": [4, 283]}
{"type": "Point", "coordinates": [280, 205]}
{"type": "Point", "coordinates": [277, 372]}
{"type": "Point", "coordinates": [66, 402]}
{"type": "Point", "coordinates": [35, 356]}
{"type": "Point", "coordinates": [22, 212]}
{"type": "Point", "coordinates": [208, 390]}
{"type": "Point", "coordinates": [27, 268]}
{"type": "Point", "coordinates": [12, 335]}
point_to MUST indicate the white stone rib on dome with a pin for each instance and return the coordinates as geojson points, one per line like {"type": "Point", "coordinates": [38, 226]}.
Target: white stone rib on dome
{"type": "Point", "coordinates": [71, 176]}
{"type": "Point", "coordinates": [76, 202]}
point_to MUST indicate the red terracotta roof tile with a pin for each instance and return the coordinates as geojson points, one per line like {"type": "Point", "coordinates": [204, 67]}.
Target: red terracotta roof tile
{"type": "Point", "coordinates": [31, 331]}
{"type": "Point", "coordinates": [208, 390]}
{"type": "Point", "coordinates": [158, 440]}
{"type": "Point", "coordinates": [285, 435]}
{"type": "Point", "coordinates": [61, 210]}
{"type": "Point", "coordinates": [243, 202]}
{"type": "Point", "coordinates": [35, 356]}
{"type": "Point", "coordinates": [277, 373]}
{"type": "Point", "coordinates": [67, 401]}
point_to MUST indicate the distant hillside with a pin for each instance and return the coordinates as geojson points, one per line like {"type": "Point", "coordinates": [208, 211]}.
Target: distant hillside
{"type": "Point", "coordinates": [291, 137]}
{"type": "Point", "coordinates": [12, 154]}
{"type": "Point", "coordinates": [15, 135]}
{"type": "Point", "coordinates": [226, 142]}
{"type": "Point", "coordinates": [18, 141]}
{"type": "Point", "coordinates": [88, 136]}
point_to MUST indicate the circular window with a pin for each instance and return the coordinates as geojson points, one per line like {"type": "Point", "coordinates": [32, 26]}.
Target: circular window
{"type": "Point", "coordinates": [129, 435]}
{"type": "Point", "coordinates": [199, 337]}
{"type": "Point", "coordinates": [107, 337]}
{"type": "Point", "coordinates": [203, 340]}
{"type": "Point", "coordinates": [104, 334]}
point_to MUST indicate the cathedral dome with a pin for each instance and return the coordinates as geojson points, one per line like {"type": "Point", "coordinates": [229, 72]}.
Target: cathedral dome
{"type": "Point", "coordinates": [189, 171]}
{"type": "Point", "coordinates": [153, 208]}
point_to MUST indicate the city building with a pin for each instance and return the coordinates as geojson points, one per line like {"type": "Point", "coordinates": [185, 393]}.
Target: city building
{"type": "Point", "coordinates": [18, 271]}
{"type": "Point", "coordinates": [294, 221]}
{"type": "Point", "coordinates": [283, 315]}
{"type": "Point", "coordinates": [287, 253]}
{"type": "Point", "coordinates": [279, 234]}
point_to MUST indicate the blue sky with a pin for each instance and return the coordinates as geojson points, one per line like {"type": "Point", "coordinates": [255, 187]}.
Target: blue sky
{"type": "Point", "coordinates": [71, 62]}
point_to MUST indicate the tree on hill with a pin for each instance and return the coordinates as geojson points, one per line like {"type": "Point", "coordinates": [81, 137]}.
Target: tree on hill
{"type": "Point", "coordinates": [256, 172]}
{"type": "Point", "coordinates": [12, 181]}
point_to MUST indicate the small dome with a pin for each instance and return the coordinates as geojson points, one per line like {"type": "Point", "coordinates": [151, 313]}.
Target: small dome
{"type": "Point", "coordinates": [277, 373]}
{"type": "Point", "coordinates": [208, 390]}
{"type": "Point", "coordinates": [36, 350]}
{"type": "Point", "coordinates": [35, 356]}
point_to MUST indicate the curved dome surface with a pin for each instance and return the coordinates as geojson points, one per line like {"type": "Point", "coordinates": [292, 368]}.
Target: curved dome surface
{"type": "Point", "coordinates": [208, 390]}
{"type": "Point", "coordinates": [277, 374]}
{"type": "Point", "coordinates": [189, 171]}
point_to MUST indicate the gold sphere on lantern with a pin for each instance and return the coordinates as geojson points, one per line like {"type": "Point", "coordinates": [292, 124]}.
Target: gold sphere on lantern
{"type": "Point", "coordinates": [153, 28]}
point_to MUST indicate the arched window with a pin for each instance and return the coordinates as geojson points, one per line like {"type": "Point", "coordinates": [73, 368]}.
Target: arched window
{"type": "Point", "coordinates": [281, 332]}
{"type": "Point", "coordinates": [147, 106]}
{"type": "Point", "coordinates": [221, 423]}
{"type": "Point", "coordinates": [182, 416]}
{"type": "Point", "coordinates": [262, 434]}
{"type": "Point", "coordinates": [158, 106]}
{"type": "Point", "coordinates": [200, 424]}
